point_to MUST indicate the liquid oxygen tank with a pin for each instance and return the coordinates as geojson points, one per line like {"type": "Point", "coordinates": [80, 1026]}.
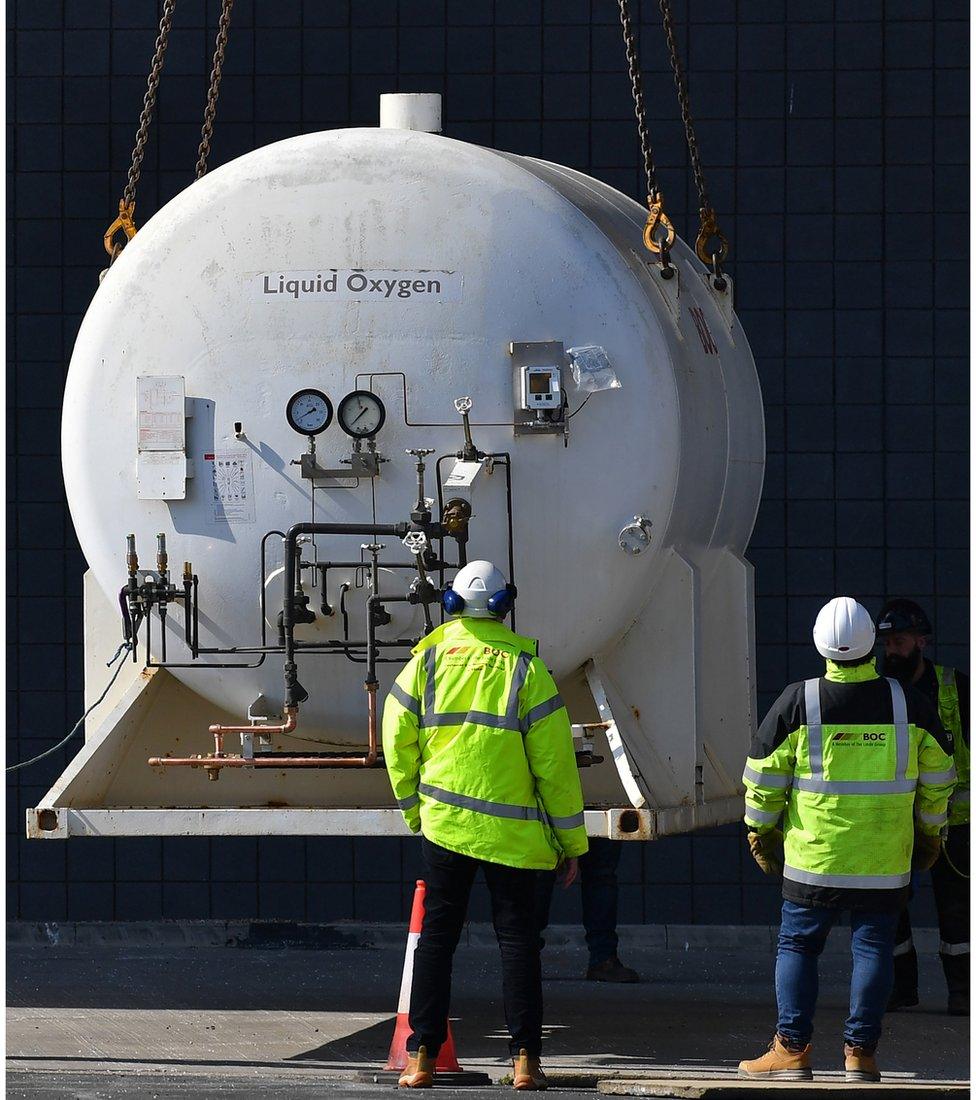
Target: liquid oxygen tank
{"type": "Point", "coordinates": [267, 350]}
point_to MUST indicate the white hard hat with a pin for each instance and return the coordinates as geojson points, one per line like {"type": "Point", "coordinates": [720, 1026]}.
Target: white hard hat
{"type": "Point", "coordinates": [476, 584]}
{"type": "Point", "coordinates": [844, 630]}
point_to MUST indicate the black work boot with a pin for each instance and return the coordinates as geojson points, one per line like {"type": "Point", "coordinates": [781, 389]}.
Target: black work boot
{"type": "Point", "coordinates": [904, 994]}
{"type": "Point", "coordinates": [956, 969]}
{"type": "Point", "coordinates": [612, 970]}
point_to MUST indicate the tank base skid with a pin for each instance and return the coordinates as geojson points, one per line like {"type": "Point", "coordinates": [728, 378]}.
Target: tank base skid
{"type": "Point", "coordinates": [614, 823]}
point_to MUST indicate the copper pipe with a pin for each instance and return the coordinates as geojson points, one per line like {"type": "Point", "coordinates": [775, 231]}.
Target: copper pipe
{"type": "Point", "coordinates": [210, 762]}
{"type": "Point", "coordinates": [213, 763]}
{"type": "Point", "coordinates": [289, 724]}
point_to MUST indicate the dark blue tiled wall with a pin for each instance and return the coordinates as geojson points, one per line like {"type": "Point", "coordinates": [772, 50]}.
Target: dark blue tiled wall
{"type": "Point", "coordinates": [836, 139]}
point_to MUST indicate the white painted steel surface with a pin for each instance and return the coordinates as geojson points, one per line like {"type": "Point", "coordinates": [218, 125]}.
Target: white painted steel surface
{"type": "Point", "coordinates": [411, 111]}
{"type": "Point", "coordinates": [461, 250]}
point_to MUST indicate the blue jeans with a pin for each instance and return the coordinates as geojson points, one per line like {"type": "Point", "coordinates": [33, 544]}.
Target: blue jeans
{"type": "Point", "coordinates": [802, 936]}
{"type": "Point", "coordinates": [598, 889]}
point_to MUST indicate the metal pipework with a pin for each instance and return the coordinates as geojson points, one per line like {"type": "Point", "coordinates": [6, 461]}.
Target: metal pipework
{"type": "Point", "coordinates": [420, 513]}
{"type": "Point", "coordinates": [213, 764]}
{"type": "Point", "coordinates": [294, 692]}
{"type": "Point", "coordinates": [290, 723]}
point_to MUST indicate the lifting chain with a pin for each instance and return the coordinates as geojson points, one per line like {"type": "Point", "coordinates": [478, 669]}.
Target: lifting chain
{"type": "Point", "coordinates": [711, 245]}
{"type": "Point", "coordinates": [124, 223]}
{"type": "Point", "coordinates": [210, 111]}
{"type": "Point", "coordinates": [658, 232]}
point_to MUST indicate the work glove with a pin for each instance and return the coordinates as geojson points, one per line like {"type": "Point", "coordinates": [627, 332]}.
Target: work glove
{"type": "Point", "coordinates": [925, 851]}
{"type": "Point", "coordinates": [767, 851]}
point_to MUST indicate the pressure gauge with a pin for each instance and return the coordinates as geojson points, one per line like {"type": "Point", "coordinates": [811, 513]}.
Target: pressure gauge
{"type": "Point", "coordinates": [361, 414]}
{"type": "Point", "coordinates": [309, 412]}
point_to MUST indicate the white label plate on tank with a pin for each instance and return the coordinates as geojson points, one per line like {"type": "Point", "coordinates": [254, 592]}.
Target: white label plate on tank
{"type": "Point", "coordinates": [161, 412]}
{"type": "Point", "coordinates": [233, 486]}
{"type": "Point", "coordinates": [161, 475]}
{"type": "Point", "coordinates": [357, 285]}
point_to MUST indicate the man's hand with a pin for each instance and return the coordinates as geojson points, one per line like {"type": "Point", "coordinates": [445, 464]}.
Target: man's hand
{"type": "Point", "coordinates": [567, 871]}
{"type": "Point", "coordinates": [767, 851]}
{"type": "Point", "coordinates": [925, 851]}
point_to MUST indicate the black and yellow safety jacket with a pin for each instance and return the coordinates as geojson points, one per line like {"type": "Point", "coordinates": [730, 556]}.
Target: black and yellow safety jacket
{"type": "Point", "coordinates": [854, 764]}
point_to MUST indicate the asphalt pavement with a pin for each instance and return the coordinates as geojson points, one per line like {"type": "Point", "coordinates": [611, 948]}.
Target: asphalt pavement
{"type": "Point", "coordinates": [94, 1020]}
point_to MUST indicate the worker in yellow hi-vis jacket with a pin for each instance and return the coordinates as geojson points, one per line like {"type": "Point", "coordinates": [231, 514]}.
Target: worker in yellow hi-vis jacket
{"type": "Point", "coordinates": [479, 751]}
{"type": "Point", "coordinates": [860, 770]}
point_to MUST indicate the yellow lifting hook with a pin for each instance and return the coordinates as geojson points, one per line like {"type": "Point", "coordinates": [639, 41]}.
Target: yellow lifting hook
{"type": "Point", "coordinates": [656, 218]}
{"type": "Point", "coordinates": [708, 231]}
{"type": "Point", "coordinates": [124, 223]}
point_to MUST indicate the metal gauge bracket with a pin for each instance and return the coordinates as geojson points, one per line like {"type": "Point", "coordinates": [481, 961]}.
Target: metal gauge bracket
{"type": "Point", "coordinates": [542, 353]}
{"type": "Point", "coordinates": [361, 464]}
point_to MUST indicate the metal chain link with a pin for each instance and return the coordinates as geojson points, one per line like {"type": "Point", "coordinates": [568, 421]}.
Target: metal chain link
{"type": "Point", "coordinates": [709, 230]}
{"type": "Point", "coordinates": [656, 217]}
{"type": "Point", "coordinates": [127, 204]}
{"type": "Point", "coordinates": [149, 101]}
{"type": "Point", "coordinates": [637, 90]}
{"type": "Point", "coordinates": [210, 111]}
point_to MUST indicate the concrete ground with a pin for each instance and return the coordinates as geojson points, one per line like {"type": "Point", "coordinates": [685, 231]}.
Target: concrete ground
{"type": "Point", "coordinates": [155, 1019]}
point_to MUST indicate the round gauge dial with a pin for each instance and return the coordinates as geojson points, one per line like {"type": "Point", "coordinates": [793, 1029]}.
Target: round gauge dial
{"type": "Point", "coordinates": [309, 412]}
{"type": "Point", "coordinates": [361, 414]}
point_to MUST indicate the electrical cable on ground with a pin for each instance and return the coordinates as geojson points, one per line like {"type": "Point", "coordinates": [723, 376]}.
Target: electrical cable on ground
{"type": "Point", "coordinates": [945, 853]}
{"type": "Point", "coordinates": [123, 648]}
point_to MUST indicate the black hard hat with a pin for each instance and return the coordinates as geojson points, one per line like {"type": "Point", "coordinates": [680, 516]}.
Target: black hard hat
{"type": "Point", "coordinates": [900, 615]}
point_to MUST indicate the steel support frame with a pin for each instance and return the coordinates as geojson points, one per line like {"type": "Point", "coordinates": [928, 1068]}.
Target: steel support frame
{"type": "Point", "coordinates": [60, 822]}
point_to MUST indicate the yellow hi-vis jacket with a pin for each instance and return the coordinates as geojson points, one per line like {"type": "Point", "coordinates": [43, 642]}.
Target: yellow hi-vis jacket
{"type": "Point", "coordinates": [951, 715]}
{"type": "Point", "coordinates": [855, 764]}
{"type": "Point", "coordinates": [479, 748]}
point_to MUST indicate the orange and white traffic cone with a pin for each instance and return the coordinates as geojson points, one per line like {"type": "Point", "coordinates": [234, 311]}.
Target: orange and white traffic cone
{"type": "Point", "coordinates": [447, 1059]}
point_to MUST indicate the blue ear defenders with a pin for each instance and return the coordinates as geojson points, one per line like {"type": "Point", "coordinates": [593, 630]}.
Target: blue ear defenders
{"type": "Point", "coordinates": [500, 603]}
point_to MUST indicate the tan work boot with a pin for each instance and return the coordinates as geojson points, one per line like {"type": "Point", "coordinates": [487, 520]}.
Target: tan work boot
{"type": "Point", "coordinates": [779, 1062]}
{"type": "Point", "coordinates": [859, 1064]}
{"type": "Point", "coordinates": [419, 1073]}
{"type": "Point", "coordinates": [527, 1075]}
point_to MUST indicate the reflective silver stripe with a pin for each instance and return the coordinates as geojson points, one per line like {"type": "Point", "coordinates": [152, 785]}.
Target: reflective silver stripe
{"type": "Point", "coordinates": [960, 796]}
{"type": "Point", "coordinates": [480, 805]}
{"type": "Point", "coordinates": [408, 803]}
{"type": "Point", "coordinates": [762, 817]}
{"type": "Point", "coordinates": [542, 710]}
{"type": "Point", "coordinates": [478, 717]}
{"type": "Point", "coordinates": [851, 882]}
{"type": "Point", "coordinates": [811, 697]}
{"type": "Point", "coordinates": [939, 777]}
{"type": "Point", "coordinates": [899, 710]}
{"type": "Point", "coordinates": [518, 682]}
{"type": "Point", "coordinates": [430, 664]}
{"type": "Point", "coordinates": [905, 948]}
{"type": "Point", "coordinates": [854, 786]}
{"type": "Point", "coordinates": [405, 700]}
{"type": "Point", "coordinates": [931, 819]}
{"type": "Point", "coordinates": [953, 948]}
{"type": "Point", "coordinates": [572, 822]}
{"type": "Point", "coordinates": [766, 779]}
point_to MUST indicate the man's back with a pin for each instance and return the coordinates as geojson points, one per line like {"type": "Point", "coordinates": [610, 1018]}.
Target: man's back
{"type": "Point", "coordinates": [478, 746]}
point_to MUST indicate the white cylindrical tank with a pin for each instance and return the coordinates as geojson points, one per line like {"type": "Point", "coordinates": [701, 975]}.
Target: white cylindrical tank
{"type": "Point", "coordinates": [407, 264]}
